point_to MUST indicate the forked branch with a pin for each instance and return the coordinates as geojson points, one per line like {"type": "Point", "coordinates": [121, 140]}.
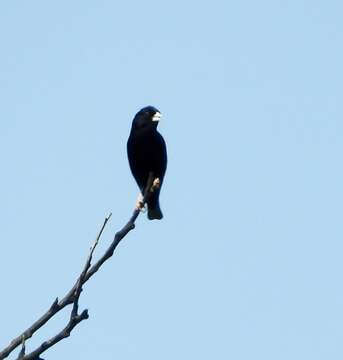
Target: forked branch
{"type": "Point", "coordinates": [72, 297]}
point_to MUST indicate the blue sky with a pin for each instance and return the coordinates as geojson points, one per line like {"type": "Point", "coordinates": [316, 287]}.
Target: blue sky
{"type": "Point", "coordinates": [247, 262]}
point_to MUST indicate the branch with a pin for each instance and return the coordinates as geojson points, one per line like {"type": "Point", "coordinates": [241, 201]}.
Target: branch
{"type": "Point", "coordinates": [72, 297]}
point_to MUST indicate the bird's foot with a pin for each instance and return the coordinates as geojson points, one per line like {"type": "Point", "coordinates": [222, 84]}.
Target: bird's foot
{"type": "Point", "coordinates": [139, 203]}
{"type": "Point", "coordinates": [156, 184]}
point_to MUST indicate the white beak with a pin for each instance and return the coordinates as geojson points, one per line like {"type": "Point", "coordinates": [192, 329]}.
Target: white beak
{"type": "Point", "coordinates": [157, 117]}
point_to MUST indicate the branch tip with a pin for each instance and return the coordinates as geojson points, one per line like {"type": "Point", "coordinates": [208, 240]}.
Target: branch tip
{"type": "Point", "coordinates": [54, 304]}
{"type": "Point", "coordinates": [84, 315]}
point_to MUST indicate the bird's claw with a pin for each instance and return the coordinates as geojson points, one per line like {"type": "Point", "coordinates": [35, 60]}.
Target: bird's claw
{"type": "Point", "coordinates": [156, 184]}
{"type": "Point", "coordinates": [139, 203]}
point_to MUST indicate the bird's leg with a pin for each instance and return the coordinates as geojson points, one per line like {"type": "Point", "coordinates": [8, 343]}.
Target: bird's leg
{"type": "Point", "coordinates": [140, 199]}
{"type": "Point", "coordinates": [156, 184]}
{"type": "Point", "coordinates": [139, 203]}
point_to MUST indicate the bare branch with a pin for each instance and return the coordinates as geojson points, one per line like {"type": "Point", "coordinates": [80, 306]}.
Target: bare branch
{"type": "Point", "coordinates": [72, 297]}
{"type": "Point", "coordinates": [54, 308]}
{"type": "Point", "coordinates": [74, 320]}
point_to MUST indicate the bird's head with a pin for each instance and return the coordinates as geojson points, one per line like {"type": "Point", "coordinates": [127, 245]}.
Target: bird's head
{"type": "Point", "coordinates": [146, 118]}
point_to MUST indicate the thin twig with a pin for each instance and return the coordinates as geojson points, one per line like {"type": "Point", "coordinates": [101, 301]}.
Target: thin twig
{"type": "Point", "coordinates": [22, 351]}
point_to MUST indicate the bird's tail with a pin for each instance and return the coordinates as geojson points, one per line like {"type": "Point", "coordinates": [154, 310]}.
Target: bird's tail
{"type": "Point", "coordinates": [154, 212]}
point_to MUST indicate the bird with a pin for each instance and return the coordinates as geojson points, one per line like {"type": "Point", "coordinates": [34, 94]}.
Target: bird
{"type": "Point", "coordinates": [147, 153]}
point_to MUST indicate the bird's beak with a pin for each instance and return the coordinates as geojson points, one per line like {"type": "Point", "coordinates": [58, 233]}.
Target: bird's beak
{"type": "Point", "coordinates": [157, 117]}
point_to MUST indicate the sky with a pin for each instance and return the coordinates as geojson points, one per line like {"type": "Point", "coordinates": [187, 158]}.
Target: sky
{"type": "Point", "coordinates": [246, 263]}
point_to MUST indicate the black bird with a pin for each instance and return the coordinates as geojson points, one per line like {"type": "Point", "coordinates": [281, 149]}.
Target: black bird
{"type": "Point", "coordinates": [147, 152]}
